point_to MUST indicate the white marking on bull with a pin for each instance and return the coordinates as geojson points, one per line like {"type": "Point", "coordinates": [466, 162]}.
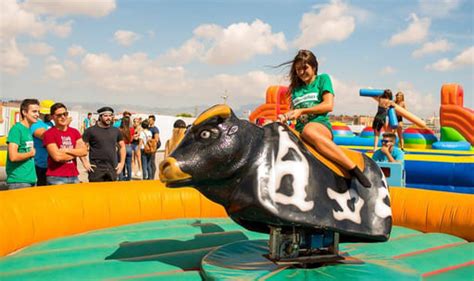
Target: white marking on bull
{"type": "Point", "coordinates": [382, 210]}
{"type": "Point", "coordinates": [270, 176]}
{"type": "Point", "coordinates": [342, 199]}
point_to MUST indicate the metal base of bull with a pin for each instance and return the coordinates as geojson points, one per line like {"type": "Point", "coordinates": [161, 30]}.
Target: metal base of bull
{"type": "Point", "coordinates": [299, 247]}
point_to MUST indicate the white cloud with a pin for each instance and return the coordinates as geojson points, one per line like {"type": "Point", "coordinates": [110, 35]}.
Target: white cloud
{"type": "Point", "coordinates": [12, 61]}
{"type": "Point", "coordinates": [147, 81]}
{"type": "Point", "coordinates": [466, 57]}
{"type": "Point", "coordinates": [431, 48]}
{"type": "Point", "coordinates": [125, 37]}
{"type": "Point", "coordinates": [236, 43]}
{"type": "Point", "coordinates": [189, 51]}
{"type": "Point", "coordinates": [438, 8]}
{"type": "Point", "coordinates": [54, 71]}
{"type": "Point", "coordinates": [388, 70]}
{"type": "Point", "coordinates": [334, 22]}
{"type": "Point", "coordinates": [16, 21]}
{"type": "Point", "coordinates": [418, 103]}
{"type": "Point", "coordinates": [75, 51]}
{"type": "Point", "coordinates": [38, 48]}
{"type": "Point", "coordinates": [93, 8]}
{"type": "Point", "coordinates": [416, 32]}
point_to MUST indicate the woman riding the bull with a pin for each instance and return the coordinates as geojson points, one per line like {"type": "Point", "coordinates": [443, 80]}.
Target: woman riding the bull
{"type": "Point", "coordinates": [312, 98]}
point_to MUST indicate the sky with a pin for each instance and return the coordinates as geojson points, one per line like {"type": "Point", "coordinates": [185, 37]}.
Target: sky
{"type": "Point", "coordinates": [188, 53]}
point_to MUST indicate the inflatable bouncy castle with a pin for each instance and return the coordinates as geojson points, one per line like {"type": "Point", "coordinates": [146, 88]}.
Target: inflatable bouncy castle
{"type": "Point", "coordinates": [275, 104]}
{"type": "Point", "coordinates": [457, 121]}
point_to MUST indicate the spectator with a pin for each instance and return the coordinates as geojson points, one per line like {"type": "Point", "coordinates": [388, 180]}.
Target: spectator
{"type": "Point", "coordinates": [64, 144]}
{"type": "Point", "coordinates": [145, 135]}
{"type": "Point", "coordinates": [389, 152]}
{"type": "Point", "coordinates": [118, 121]}
{"type": "Point", "coordinates": [20, 166]}
{"type": "Point", "coordinates": [179, 129]}
{"type": "Point", "coordinates": [41, 156]}
{"type": "Point", "coordinates": [127, 135]}
{"type": "Point", "coordinates": [87, 123]}
{"type": "Point", "coordinates": [102, 140]}
{"type": "Point", "coordinates": [155, 132]}
{"type": "Point", "coordinates": [136, 152]}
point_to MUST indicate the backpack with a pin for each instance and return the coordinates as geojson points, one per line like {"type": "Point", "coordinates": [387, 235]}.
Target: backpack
{"type": "Point", "coordinates": [151, 146]}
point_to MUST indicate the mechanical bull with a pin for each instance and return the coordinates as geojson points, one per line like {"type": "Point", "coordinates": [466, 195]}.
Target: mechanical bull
{"type": "Point", "coordinates": [268, 177]}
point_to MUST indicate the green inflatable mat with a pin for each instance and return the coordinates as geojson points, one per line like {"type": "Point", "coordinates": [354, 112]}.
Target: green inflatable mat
{"type": "Point", "coordinates": [196, 249]}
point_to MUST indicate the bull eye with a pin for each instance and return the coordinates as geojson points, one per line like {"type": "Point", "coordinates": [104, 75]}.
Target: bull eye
{"type": "Point", "coordinates": [205, 134]}
{"type": "Point", "coordinates": [233, 130]}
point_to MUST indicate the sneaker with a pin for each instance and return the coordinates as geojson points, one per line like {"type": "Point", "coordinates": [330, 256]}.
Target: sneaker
{"type": "Point", "coordinates": [359, 175]}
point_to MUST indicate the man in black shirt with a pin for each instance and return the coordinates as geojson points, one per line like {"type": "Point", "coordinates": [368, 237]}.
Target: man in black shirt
{"type": "Point", "coordinates": [103, 140]}
{"type": "Point", "coordinates": [155, 132]}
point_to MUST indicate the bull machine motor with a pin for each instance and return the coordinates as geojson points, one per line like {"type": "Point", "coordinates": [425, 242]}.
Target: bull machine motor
{"type": "Point", "coordinates": [299, 246]}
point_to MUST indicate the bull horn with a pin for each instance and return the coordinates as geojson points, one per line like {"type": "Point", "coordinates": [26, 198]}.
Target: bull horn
{"type": "Point", "coordinates": [220, 110]}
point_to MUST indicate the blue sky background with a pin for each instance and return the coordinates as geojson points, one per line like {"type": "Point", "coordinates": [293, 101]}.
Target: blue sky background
{"type": "Point", "coordinates": [186, 53]}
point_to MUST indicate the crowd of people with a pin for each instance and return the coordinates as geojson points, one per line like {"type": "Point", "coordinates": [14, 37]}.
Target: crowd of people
{"type": "Point", "coordinates": [44, 150]}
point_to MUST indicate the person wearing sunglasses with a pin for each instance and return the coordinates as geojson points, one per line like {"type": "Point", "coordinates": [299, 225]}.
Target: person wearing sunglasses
{"type": "Point", "coordinates": [389, 152]}
{"type": "Point", "coordinates": [64, 144]}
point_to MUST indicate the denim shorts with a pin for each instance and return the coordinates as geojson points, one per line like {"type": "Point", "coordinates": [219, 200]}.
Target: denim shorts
{"type": "Point", "coordinates": [18, 185]}
{"type": "Point", "coordinates": [52, 180]}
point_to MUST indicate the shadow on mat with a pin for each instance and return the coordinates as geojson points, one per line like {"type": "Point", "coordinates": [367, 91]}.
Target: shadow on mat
{"type": "Point", "coordinates": [184, 254]}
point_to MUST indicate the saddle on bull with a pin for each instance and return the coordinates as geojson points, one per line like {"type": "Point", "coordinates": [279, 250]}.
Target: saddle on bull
{"type": "Point", "coordinates": [269, 180]}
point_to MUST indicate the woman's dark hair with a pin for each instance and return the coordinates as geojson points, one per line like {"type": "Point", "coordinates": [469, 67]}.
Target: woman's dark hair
{"type": "Point", "coordinates": [145, 124]}
{"type": "Point", "coordinates": [125, 129]}
{"type": "Point", "coordinates": [387, 93]}
{"type": "Point", "coordinates": [302, 57]}
{"type": "Point", "coordinates": [56, 106]}
{"type": "Point", "coordinates": [179, 124]}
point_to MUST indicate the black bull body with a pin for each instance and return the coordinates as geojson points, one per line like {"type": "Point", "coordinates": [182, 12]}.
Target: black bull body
{"type": "Point", "coordinates": [267, 176]}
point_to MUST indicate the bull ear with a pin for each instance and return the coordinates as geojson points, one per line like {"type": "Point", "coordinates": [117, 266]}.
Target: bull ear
{"type": "Point", "coordinates": [220, 110]}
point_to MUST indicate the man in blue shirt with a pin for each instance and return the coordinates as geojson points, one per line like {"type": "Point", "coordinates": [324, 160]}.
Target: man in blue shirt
{"type": "Point", "coordinates": [41, 156]}
{"type": "Point", "coordinates": [389, 152]}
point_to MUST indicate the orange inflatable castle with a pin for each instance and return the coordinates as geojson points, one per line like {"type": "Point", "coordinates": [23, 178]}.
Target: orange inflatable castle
{"type": "Point", "coordinates": [453, 114]}
{"type": "Point", "coordinates": [275, 103]}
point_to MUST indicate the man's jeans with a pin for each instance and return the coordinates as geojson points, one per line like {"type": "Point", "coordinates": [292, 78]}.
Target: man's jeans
{"type": "Point", "coordinates": [18, 185]}
{"type": "Point", "coordinates": [61, 180]}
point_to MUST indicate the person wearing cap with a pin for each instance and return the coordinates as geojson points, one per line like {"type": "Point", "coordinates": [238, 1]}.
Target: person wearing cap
{"type": "Point", "coordinates": [102, 140]}
{"type": "Point", "coordinates": [37, 130]}
{"type": "Point", "coordinates": [64, 144]}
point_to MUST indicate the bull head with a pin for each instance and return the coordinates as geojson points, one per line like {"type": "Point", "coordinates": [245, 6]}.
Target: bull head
{"type": "Point", "coordinates": [215, 149]}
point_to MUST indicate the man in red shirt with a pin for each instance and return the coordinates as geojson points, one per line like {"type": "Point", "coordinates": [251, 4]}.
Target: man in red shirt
{"type": "Point", "coordinates": [64, 145]}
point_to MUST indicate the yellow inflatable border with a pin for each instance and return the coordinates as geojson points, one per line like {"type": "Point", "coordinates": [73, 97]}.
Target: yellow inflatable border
{"type": "Point", "coordinates": [32, 215]}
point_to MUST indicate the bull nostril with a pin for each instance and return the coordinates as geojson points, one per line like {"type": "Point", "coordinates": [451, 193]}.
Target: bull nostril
{"type": "Point", "coordinates": [170, 171]}
{"type": "Point", "coordinates": [164, 166]}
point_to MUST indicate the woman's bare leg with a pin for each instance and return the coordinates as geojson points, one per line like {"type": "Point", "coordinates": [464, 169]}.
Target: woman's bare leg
{"type": "Point", "coordinates": [320, 137]}
{"type": "Point", "coordinates": [401, 142]}
{"type": "Point", "coordinates": [376, 139]}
